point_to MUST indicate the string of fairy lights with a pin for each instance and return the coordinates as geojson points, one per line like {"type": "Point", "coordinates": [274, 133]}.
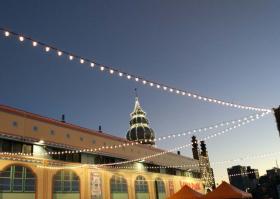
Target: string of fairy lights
{"type": "Point", "coordinates": [38, 161]}
{"type": "Point", "coordinates": [113, 71]}
{"type": "Point", "coordinates": [233, 124]}
{"type": "Point", "coordinates": [213, 135]}
{"type": "Point", "coordinates": [242, 121]}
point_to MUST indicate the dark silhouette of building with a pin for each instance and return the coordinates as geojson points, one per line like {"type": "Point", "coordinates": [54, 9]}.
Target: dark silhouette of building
{"type": "Point", "coordinates": [269, 185]}
{"type": "Point", "coordinates": [243, 177]}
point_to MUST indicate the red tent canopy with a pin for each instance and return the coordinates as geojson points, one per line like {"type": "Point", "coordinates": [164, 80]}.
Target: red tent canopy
{"type": "Point", "coordinates": [227, 191]}
{"type": "Point", "coordinates": [186, 193]}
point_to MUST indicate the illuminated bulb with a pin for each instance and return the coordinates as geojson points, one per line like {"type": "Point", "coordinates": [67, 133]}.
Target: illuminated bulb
{"type": "Point", "coordinates": [158, 86]}
{"type": "Point", "coordinates": [128, 77]}
{"type": "Point", "coordinates": [120, 74]}
{"type": "Point", "coordinates": [164, 88]}
{"type": "Point", "coordinates": [59, 53]}
{"type": "Point", "coordinates": [151, 84]}
{"type": "Point", "coordinates": [111, 71]}
{"type": "Point", "coordinates": [47, 49]}
{"type": "Point", "coordinates": [144, 82]}
{"type": "Point", "coordinates": [183, 93]}
{"type": "Point", "coordinates": [70, 57]}
{"type": "Point", "coordinates": [102, 68]}
{"type": "Point", "coordinates": [137, 79]}
{"type": "Point", "coordinates": [34, 43]}
{"type": "Point", "coordinates": [82, 61]}
{"type": "Point", "coordinates": [21, 38]}
{"type": "Point", "coordinates": [7, 34]}
{"type": "Point", "coordinates": [171, 90]}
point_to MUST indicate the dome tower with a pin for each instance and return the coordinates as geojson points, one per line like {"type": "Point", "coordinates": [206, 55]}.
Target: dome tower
{"type": "Point", "coordinates": [139, 129]}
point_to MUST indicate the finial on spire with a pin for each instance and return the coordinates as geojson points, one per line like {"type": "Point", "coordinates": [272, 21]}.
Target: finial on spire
{"type": "Point", "coordinates": [136, 93]}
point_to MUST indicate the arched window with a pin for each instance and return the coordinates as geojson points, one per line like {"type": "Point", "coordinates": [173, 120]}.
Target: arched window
{"type": "Point", "coordinates": [141, 188]}
{"type": "Point", "coordinates": [160, 189]}
{"type": "Point", "coordinates": [17, 179]}
{"type": "Point", "coordinates": [66, 184]}
{"type": "Point", "coordinates": [118, 186]}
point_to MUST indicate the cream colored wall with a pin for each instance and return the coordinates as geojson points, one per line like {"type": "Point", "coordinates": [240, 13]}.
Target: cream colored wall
{"type": "Point", "coordinates": [45, 176]}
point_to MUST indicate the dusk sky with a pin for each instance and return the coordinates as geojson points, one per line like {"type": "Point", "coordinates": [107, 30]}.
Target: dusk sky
{"type": "Point", "coordinates": [228, 49]}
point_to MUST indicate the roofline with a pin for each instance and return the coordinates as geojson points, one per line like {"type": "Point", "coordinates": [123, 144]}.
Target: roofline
{"type": "Point", "coordinates": [38, 117]}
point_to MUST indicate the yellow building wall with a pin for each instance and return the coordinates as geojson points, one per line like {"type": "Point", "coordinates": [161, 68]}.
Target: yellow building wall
{"type": "Point", "coordinates": [44, 181]}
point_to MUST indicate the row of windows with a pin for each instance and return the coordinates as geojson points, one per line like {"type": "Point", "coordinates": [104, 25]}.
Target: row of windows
{"type": "Point", "coordinates": [119, 185]}
{"type": "Point", "coordinates": [52, 132]}
{"type": "Point", "coordinates": [21, 179]}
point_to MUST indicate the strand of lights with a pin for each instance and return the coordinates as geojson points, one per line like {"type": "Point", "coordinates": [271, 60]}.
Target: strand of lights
{"type": "Point", "coordinates": [61, 167]}
{"type": "Point", "coordinates": [145, 167]}
{"type": "Point", "coordinates": [136, 78]}
{"type": "Point", "coordinates": [132, 143]}
{"type": "Point", "coordinates": [243, 173]}
{"type": "Point", "coordinates": [187, 145]}
{"type": "Point", "coordinates": [251, 157]}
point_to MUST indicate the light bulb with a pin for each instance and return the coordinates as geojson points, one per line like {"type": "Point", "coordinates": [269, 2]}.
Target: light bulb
{"type": "Point", "coordinates": [34, 43]}
{"type": "Point", "coordinates": [7, 34]}
{"type": "Point", "coordinates": [21, 38]}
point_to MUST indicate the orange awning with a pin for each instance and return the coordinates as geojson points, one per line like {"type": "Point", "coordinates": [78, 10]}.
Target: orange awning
{"type": "Point", "coordinates": [186, 193]}
{"type": "Point", "coordinates": [227, 191]}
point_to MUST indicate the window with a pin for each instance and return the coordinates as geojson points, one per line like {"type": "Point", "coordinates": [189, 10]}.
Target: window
{"type": "Point", "coordinates": [14, 146]}
{"type": "Point", "coordinates": [17, 179]}
{"type": "Point", "coordinates": [141, 185]}
{"type": "Point", "coordinates": [118, 186]}
{"type": "Point", "coordinates": [160, 189]}
{"type": "Point", "coordinates": [35, 128]}
{"type": "Point", "coordinates": [69, 157]}
{"type": "Point", "coordinates": [14, 123]}
{"type": "Point", "coordinates": [52, 132]}
{"type": "Point", "coordinates": [66, 181]}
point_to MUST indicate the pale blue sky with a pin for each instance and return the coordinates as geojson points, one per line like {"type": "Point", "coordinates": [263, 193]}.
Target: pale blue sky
{"type": "Point", "coordinates": [227, 49]}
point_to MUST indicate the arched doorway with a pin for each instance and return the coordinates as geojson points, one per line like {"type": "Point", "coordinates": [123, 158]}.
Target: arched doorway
{"type": "Point", "coordinates": [66, 185]}
{"type": "Point", "coordinates": [17, 181]}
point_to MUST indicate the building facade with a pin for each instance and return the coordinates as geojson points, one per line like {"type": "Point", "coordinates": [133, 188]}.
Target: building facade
{"type": "Point", "coordinates": [243, 177]}
{"type": "Point", "coordinates": [43, 158]}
